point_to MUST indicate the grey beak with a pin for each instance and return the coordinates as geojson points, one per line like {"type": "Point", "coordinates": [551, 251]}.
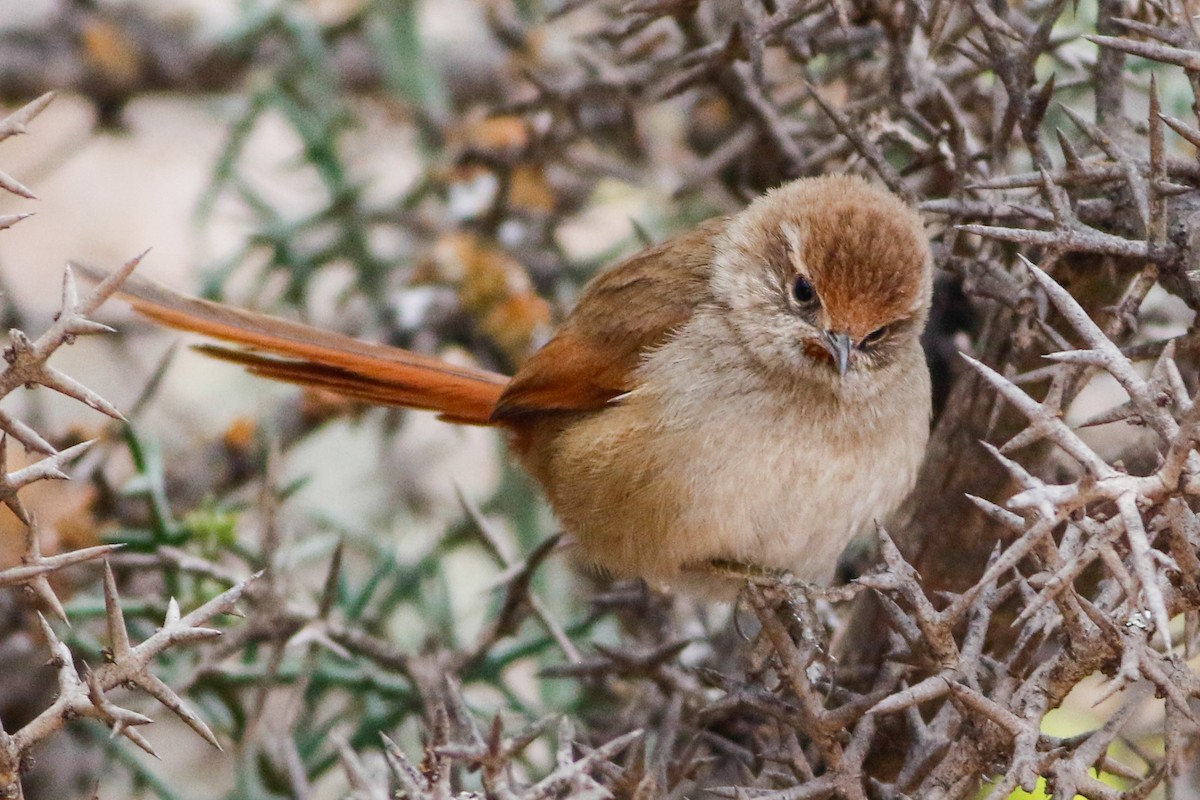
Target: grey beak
{"type": "Point", "coordinates": [838, 345]}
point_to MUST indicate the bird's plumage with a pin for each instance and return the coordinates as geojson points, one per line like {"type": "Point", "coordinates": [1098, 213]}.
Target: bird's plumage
{"type": "Point", "coordinates": [752, 390]}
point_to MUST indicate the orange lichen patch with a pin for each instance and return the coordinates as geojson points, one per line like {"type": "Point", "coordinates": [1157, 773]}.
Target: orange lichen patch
{"type": "Point", "coordinates": [502, 136]}
{"type": "Point", "coordinates": [491, 276]}
{"type": "Point", "coordinates": [240, 434]}
{"type": "Point", "coordinates": [529, 190]}
{"type": "Point", "coordinates": [109, 52]}
{"type": "Point", "coordinates": [498, 137]}
{"type": "Point", "coordinates": [493, 287]}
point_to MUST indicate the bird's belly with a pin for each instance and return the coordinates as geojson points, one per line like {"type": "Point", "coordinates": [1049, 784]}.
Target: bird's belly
{"type": "Point", "coordinates": [788, 495]}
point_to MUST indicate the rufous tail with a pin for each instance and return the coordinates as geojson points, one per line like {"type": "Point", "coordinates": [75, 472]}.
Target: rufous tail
{"type": "Point", "coordinates": [296, 353]}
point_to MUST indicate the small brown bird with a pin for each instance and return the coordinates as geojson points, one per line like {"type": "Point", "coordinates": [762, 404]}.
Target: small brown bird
{"type": "Point", "coordinates": [750, 393]}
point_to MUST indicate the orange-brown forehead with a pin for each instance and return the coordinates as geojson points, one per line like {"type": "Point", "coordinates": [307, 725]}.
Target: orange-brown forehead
{"type": "Point", "coordinates": [867, 263]}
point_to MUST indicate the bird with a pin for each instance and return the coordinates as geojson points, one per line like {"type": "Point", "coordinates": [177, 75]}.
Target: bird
{"type": "Point", "coordinates": [743, 398]}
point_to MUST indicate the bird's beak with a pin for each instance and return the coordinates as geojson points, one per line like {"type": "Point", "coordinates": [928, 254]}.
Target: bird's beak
{"type": "Point", "coordinates": [838, 345]}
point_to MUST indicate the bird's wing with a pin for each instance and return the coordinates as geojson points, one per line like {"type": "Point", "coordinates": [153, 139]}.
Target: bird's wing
{"type": "Point", "coordinates": [623, 313]}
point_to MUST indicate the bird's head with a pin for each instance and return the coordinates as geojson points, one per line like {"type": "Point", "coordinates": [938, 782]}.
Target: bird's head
{"type": "Point", "coordinates": [828, 276]}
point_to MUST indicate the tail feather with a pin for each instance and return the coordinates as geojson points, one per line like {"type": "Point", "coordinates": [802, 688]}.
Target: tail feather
{"type": "Point", "coordinates": [444, 397]}
{"type": "Point", "coordinates": [297, 353]}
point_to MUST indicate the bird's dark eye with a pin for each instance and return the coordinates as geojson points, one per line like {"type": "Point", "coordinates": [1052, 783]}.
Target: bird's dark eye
{"type": "Point", "coordinates": [802, 291]}
{"type": "Point", "coordinates": [874, 337]}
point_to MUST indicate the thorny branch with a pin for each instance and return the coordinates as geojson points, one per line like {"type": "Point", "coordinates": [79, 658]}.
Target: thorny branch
{"type": "Point", "coordinates": [127, 665]}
